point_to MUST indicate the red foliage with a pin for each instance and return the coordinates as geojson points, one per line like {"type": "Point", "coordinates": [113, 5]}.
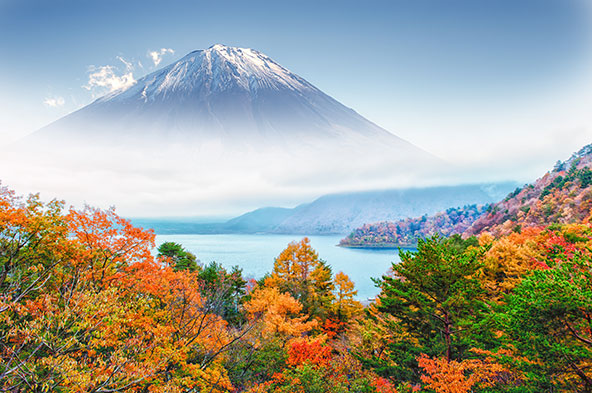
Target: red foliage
{"type": "Point", "coordinates": [332, 327]}
{"type": "Point", "coordinates": [313, 352]}
{"type": "Point", "coordinates": [383, 385]}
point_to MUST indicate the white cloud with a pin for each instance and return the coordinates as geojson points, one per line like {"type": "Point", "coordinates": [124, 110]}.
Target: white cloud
{"type": "Point", "coordinates": [54, 102]}
{"type": "Point", "coordinates": [107, 77]}
{"type": "Point", "coordinates": [128, 65]}
{"type": "Point", "coordinates": [156, 56]}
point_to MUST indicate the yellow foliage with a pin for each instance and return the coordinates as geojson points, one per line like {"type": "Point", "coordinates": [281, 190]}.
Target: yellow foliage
{"type": "Point", "coordinates": [345, 307]}
{"type": "Point", "coordinates": [279, 313]}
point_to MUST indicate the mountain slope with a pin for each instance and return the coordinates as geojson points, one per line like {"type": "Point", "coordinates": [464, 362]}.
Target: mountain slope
{"type": "Point", "coordinates": [405, 233]}
{"type": "Point", "coordinates": [260, 220]}
{"type": "Point", "coordinates": [230, 96]}
{"type": "Point", "coordinates": [340, 213]}
{"type": "Point", "coordinates": [563, 195]}
{"type": "Point", "coordinates": [210, 133]}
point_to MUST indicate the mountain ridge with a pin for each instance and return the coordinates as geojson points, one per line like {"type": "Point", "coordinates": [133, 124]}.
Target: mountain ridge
{"type": "Point", "coordinates": [563, 195]}
{"type": "Point", "coordinates": [231, 95]}
{"type": "Point", "coordinates": [339, 213]}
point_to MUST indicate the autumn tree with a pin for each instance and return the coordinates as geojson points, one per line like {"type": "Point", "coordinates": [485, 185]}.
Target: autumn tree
{"type": "Point", "coordinates": [279, 313]}
{"type": "Point", "coordinates": [34, 245]}
{"type": "Point", "coordinates": [345, 306]}
{"type": "Point", "coordinates": [84, 307]}
{"type": "Point", "coordinates": [273, 320]}
{"type": "Point", "coordinates": [313, 366]}
{"type": "Point", "coordinates": [465, 376]}
{"type": "Point", "coordinates": [299, 271]}
{"type": "Point", "coordinates": [508, 260]}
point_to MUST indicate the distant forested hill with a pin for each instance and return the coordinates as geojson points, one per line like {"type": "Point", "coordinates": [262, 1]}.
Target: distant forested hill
{"type": "Point", "coordinates": [341, 213]}
{"type": "Point", "coordinates": [406, 232]}
{"type": "Point", "coordinates": [563, 195]}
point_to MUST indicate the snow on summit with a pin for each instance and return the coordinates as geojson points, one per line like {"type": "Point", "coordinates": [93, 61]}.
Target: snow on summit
{"type": "Point", "coordinates": [218, 68]}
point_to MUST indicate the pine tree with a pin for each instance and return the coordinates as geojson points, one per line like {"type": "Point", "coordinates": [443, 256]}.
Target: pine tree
{"type": "Point", "coordinates": [434, 302]}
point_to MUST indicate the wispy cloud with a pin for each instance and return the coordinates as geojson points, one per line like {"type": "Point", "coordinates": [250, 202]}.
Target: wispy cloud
{"type": "Point", "coordinates": [54, 102]}
{"type": "Point", "coordinates": [128, 65]}
{"type": "Point", "coordinates": [157, 55]}
{"type": "Point", "coordinates": [110, 77]}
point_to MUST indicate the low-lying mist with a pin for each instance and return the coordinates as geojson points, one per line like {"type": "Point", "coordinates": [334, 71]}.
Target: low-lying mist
{"type": "Point", "coordinates": [169, 178]}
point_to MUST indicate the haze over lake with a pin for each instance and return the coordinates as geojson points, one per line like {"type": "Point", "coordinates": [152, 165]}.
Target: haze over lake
{"type": "Point", "coordinates": [255, 255]}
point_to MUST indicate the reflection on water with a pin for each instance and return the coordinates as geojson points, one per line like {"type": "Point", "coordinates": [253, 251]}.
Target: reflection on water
{"type": "Point", "coordinates": [255, 255]}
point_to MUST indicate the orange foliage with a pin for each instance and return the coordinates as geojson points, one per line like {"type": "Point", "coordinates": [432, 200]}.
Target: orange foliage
{"type": "Point", "coordinates": [297, 261]}
{"type": "Point", "coordinates": [108, 242]}
{"type": "Point", "coordinates": [383, 385]}
{"type": "Point", "coordinates": [279, 312]}
{"type": "Point", "coordinates": [508, 260]}
{"type": "Point", "coordinates": [299, 271]}
{"type": "Point", "coordinates": [94, 311]}
{"type": "Point", "coordinates": [332, 327]}
{"type": "Point", "coordinates": [444, 376]}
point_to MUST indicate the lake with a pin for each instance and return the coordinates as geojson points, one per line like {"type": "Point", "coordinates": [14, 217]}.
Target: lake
{"type": "Point", "coordinates": [255, 255]}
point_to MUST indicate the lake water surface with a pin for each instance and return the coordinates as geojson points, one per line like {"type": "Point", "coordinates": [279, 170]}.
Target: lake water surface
{"type": "Point", "coordinates": [255, 255]}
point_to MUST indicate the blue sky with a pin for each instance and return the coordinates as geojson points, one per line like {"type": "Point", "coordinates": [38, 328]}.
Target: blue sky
{"type": "Point", "coordinates": [451, 76]}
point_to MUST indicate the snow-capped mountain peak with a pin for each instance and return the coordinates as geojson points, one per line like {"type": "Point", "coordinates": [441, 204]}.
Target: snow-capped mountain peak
{"type": "Point", "coordinates": [230, 96]}
{"type": "Point", "coordinates": [224, 118]}
{"type": "Point", "coordinates": [217, 69]}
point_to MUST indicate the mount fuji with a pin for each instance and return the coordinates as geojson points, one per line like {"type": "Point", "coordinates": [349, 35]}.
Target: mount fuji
{"type": "Point", "coordinates": [217, 127]}
{"type": "Point", "coordinates": [232, 96]}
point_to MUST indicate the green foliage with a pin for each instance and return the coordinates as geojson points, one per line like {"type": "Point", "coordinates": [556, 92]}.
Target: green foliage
{"type": "Point", "coordinates": [571, 237]}
{"type": "Point", "coordinates": [582, 176]}
{"type": "Point", "coordinates": [459, 245]}
{"type": "Point", "coordinates": [249, 364]}
{"type": "Point", "coordinates": [181, 258]}
{"type": "Point", "coordinates": [224, 291]}
{"type": "Point", "coordinates": [309, 379]}
{"type": "Point", "coordinates": [554, 227]}
{"type": "Point", "coordinates": [549, 319]}
{"type": "Point", "coordinates": [437, 301]}
{"type": "Point", "coordinates": [322, 296]}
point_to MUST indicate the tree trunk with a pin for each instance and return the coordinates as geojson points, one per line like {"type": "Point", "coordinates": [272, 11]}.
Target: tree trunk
{"type": "Point", "coordinates": [447, 334]}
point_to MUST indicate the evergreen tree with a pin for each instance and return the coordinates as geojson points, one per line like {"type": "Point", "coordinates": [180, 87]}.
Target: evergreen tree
{"type": "Point", "coordinates": [548, 318]}
{"type": "Point", "coordinates": [223, 290]}
{"type": "Point", "coordinates": [434, 302]}
{"type": "Point", "coordinates": [181, 258]}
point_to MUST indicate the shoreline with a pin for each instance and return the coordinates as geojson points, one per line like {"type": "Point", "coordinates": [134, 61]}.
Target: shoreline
{"type": "Point", "coordinates": [386, 246]}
